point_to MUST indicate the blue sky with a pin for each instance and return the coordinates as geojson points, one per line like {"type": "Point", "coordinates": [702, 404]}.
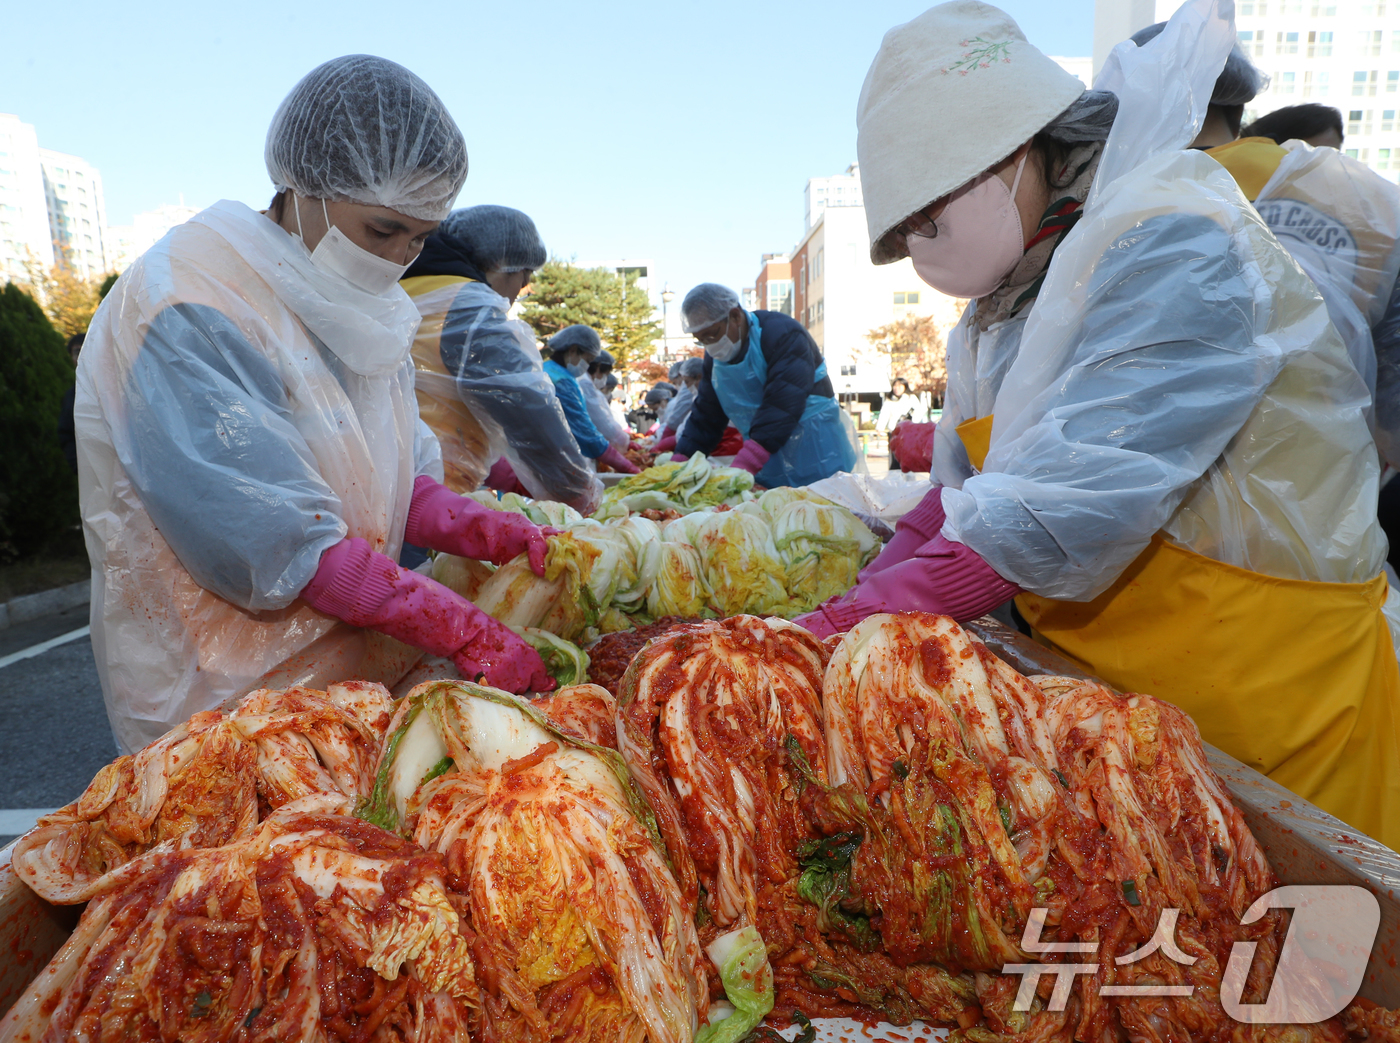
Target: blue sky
{"type": "Point", "coordinates": [680, 132]}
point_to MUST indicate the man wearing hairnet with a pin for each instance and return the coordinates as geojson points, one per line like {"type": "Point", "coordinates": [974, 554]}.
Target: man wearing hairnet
{"type": "Point", "coordinates": [481, 383]}
{"type": "Point", "coordinates": [764, 374]}
{"type": "Point", "coordinates": [250, 453]}
{"type": "Point", "coordinates": [1152, 433]}
{"type": "Point", "coordinates": [570, 352]}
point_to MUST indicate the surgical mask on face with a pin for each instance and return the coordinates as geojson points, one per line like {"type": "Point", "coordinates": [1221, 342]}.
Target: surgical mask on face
{"type": "Point", "coordinates": [335, 253]}
{"type": "Point", "coordinates": [723, 349]}
{"type": "Point", "coordinates": [577, 369]}
{"type": "Point", "coordinates": [979, 239]}
{"type": "Point", "coordinates": [601, 383]}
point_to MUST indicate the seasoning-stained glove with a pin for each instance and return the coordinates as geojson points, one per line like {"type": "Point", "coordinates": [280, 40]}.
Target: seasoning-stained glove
{"type": "Point", "coordinates": [367, 589]}
{"type": "Point", "coordinates": [440, 519]}
{"type": "Point", "coordinates": [752, 457]}
{"type": "Point", "coordinates": [943, 577]}
{"type": "Point", "coordinates": [911, 532]}
{"type": "Point", "coordinates": [668, 440]}
{"type": "Point", "coordinates": [618, 462]}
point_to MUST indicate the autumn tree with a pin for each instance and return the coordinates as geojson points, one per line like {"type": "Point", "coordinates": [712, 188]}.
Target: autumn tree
{"type": "Point", "coordinates": [562, 294]}
{"type": "Point", "coordinates": [916, 346]}
{"type": "Point", "coordinates": [69, 300]}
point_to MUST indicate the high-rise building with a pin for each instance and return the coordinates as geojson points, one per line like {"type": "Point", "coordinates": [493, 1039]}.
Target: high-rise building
{"type": "Point", "coordinates": [1345, 54]}
{"type": "Point", "coordinates": [25, 238]}
{"type": "Point", "coordinates": [77, 213]}
{"type": "Point", "coordinates": [1342, 53]}
{"type": "Point", "coordinates": [837, 190]}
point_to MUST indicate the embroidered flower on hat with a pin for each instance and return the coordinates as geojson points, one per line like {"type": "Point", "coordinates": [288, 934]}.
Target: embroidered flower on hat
{"type": "Point", "coordinates": [980, 55]}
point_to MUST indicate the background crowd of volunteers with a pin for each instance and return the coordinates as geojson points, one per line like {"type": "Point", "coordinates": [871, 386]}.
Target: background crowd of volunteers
{"type": "Point", "coordinates": [1168, 408]}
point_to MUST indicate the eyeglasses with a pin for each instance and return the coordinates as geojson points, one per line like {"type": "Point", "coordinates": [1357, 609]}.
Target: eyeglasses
{"type": "Point", "coordinates": [712, 334]}
{"type": "Point", "coordinates": [921, 222]}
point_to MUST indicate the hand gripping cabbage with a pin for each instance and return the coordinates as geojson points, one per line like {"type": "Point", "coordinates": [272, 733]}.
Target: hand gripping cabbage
{"type": "Point", "coordinates": [291, 933]}
{"type": "Point", "coordinates": [581, 928]}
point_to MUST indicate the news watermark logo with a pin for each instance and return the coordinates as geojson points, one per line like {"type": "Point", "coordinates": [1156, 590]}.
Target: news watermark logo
{"type": "Point", "coordinates": [1319, 970]}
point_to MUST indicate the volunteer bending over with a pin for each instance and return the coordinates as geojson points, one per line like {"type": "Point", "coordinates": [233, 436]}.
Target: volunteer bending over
{"type": "Point", "coordinates": [765, 374]}
{"type": "Point", "coordinates": [481, 383]}
{"type": "Point", "coordinates": [593, 387]}
{"type": "Point", "coordinates": [570, 351]}
{"type": "Point", "coordinates": [1152, 433]}
{"type": "Point", "coordinates": [250, 453]}
{"type": "Point", "coordinates": [689, 372]}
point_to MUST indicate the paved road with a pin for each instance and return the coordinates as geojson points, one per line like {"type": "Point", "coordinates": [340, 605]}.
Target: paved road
{"type": "Point", "coordinates": [54, 734]}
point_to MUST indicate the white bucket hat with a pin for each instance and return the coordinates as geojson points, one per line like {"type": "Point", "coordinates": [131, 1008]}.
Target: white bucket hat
{"type": "Point", "coordinates": [949, 95]}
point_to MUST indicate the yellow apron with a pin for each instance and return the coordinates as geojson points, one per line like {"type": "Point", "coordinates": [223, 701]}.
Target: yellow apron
{"type": "Point", "coordinates": [465, 444]}
{"type": "Point", "coordinates": [1250, 161]}
{"type": "Point", "coordinates": [1298, 679]}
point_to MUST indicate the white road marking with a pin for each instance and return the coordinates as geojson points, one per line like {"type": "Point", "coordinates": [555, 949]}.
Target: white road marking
{"type": "Point", "coordinates": [42, 647]}
{"type": "Point", "coordinates": [14, 821]}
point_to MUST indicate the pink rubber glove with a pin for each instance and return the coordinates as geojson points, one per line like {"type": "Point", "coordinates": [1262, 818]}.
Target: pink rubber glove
{"type": "Point", "coordinates": [911, 532]}
{"type": "Point", "coordinates": [752, 457]}
{"type": "Point", "coordinates": [944, 577]}
{"type": "Point", "coordinates": [502, 478]}
{"type": "Point", "coordinates": [367, 589]}
{"type": "Point", "coordinates": [440, 519]}
{"type": "Point", "coordinates": [618, 462]}
{"type": "Point", "coordinates": [679, 458]}
{"type": "Point", "coordinates": [668, 440]}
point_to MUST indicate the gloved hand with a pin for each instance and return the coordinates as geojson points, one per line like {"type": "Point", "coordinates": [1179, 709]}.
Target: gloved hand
{"type": "Point", "coordinates": [911, 532]}
{"type": "Point", "coordinates": [943, 577]}
{"type": "Point", "coordinates": [618, 462]}
{"type": "Point", "coordinates": [679, 458]}
{"type": "Point", "coordinates": [752, 457]}
{"type": "Point", "coordinates": [668, 440]}
{"type": "Point", "coordinates": [367, 589]}
{"type": "Point", "coordinates": [440, 519]}
{"type": "Point", "coordinates": [502, 478]}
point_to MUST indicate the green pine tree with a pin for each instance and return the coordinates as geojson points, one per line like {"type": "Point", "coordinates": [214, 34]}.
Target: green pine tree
{"type": "Point", "coordinates": [38, 492]}
{"type": "Point", "coordinates": [562, 294]}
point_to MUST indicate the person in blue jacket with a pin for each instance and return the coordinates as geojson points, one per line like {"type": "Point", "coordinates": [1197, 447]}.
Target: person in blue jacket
{"type": "Point", "coordinates": [570, 352]}
{"type": "Point", "coordinates": [765, 375]}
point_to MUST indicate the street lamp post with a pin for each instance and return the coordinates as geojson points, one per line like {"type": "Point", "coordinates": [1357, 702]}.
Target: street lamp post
{"type": "Point", "coordinates": [666, 298]}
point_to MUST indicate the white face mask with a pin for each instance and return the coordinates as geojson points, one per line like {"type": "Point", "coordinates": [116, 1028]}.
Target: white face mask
{"type": "Point", "coordinates": [601, 383]}
{"type": "Point", "coordinates": [723, 349]}
{"type": "Point", "coordinates": [577, 369]}
{"type": "Point", "coordinates": [335, 253]}
{"type": "Point", "coordinates": [979, 239]}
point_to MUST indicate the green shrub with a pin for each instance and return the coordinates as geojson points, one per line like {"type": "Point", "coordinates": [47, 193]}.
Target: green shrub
{"type": "Point", "coordinates": [38, 492]}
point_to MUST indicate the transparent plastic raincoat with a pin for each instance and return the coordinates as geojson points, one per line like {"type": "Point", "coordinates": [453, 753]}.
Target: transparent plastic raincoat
{"type": "Point", "coordinates": [233, 423]}
{"type": "Point", "coordinates": [1178, 468]}
{"type": "Point", "coordinates": [1340, 221]}
{"type": "Point", "coordinates": [597, 405]}
{"type": "Point", "coordinates": [483, 390]}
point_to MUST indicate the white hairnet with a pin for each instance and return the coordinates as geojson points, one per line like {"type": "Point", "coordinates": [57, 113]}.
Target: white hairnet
{"type": "Point", "coordinates": [1238, 83]}
{"type": "Point", "coordinates": [366, 130]}
{"type": "Point", "coordinates": [496, 238]}
{"type": "Point", "coordinates": [706, 305]}
{"type": "Point", "coordinates": [694, 369]}
{"type": "Point", "coordinates": [585, 338]}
